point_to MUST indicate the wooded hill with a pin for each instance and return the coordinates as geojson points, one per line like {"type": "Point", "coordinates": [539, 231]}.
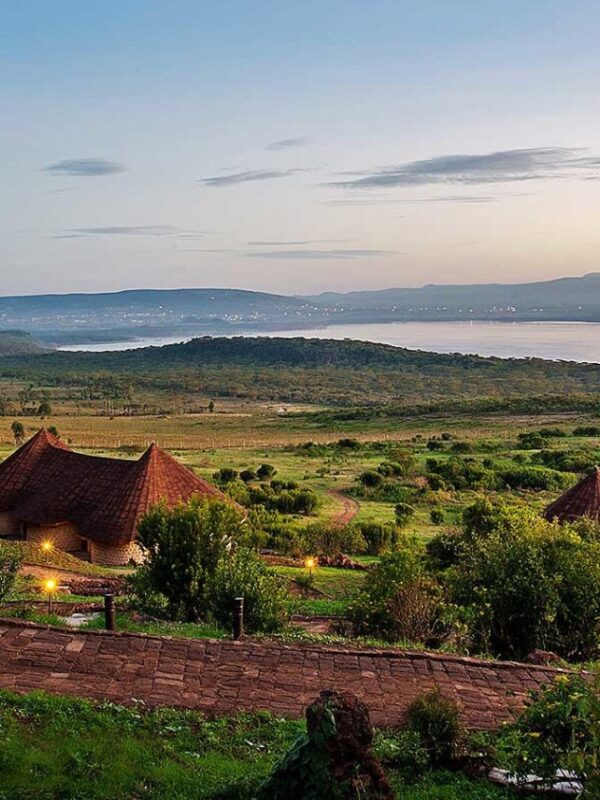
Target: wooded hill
{"type": "Point", "coordinates": [327, 371]}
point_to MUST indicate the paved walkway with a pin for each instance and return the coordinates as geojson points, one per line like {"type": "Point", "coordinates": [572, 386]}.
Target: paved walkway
{"type": "Point", "coordinates": [220, 677]}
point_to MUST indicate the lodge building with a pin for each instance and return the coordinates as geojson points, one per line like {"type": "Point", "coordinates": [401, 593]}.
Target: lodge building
{"type": "Point", "coordinates": [87, 503]}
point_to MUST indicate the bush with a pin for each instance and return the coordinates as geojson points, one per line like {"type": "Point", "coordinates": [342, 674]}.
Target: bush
{"type": "Point", "coordinates": [370, 479]}
{"type": "Point", "coordinates": [436, 721]}
{"type": "Point", "coordinates": [461, 447]}
{"type": "Point", "coordinates": [399, 601]}
{"type": "Point", "coordinates": [437, 516]}
{"type": "Point", "coordinates": [244, 575]}
{"type": "Point", "coordinates": [329, 539]}
{"type": "Point", "coordinates": [10, 563]}
{"type": "Point", "coordinates": [248, 475]}
{"type": "Point", "coordinates": [530, 584]}
{"type": "Point", "coordinates": [536, 478]}
{"type": "Point", "coordinates": [444, 550]}
{"type": "Point", "coordinates": [349, 444]}
{"type": "Point", "coordinates": [404, 512]}
{"type": "Point", "coordinates": [184, 546]}
{"type": "Point", "coordinates": [435, 444]}
{"type": "Point", "coordinates": [225, 475]}
{"type": "Point", "coordinates": [378, 537]}
{"type": "Point", "coordinates": [265, 472]}
{"type": "Point", "coordinates": [558, 730]}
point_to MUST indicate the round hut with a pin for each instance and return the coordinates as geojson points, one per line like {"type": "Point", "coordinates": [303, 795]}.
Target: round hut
{"type": "Point", "coordinates": [580, 501]}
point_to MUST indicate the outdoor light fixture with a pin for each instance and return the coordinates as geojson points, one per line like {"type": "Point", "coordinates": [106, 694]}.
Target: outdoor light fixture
{"type": "Point", "coordinates": [310, 563]}
{"type": "Point", "coordinates": [50, 586]}
{"type": "Point", "coordinates": [47, 546]}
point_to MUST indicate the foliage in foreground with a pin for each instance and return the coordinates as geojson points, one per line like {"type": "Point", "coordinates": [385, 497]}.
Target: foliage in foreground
{"type": "Point", "coordinates": [559, 730]}
{"type": "Point", "coordinates": [56, 747]}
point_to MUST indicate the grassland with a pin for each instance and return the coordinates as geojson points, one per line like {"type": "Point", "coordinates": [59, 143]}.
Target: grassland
{"type": "Point", "coordinates": [57, 747]}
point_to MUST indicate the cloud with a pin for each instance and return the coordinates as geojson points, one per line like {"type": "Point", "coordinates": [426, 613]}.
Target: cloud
{"type": "Point", "coordinates": [539, 163]}
{"type": "Point", "coordinates": [456, 198]}
{"type": "Point", "coordinates": [284, 144]}
{"type": "Point", "coordinates": [309, 255]}
{"type": "Point", "coordinates": [129, 230]}
{"type": "Point", "coordinates": [85, 167]}
{"type": "Point", "coordinates": [295, 242]}
{"type": "Point", "coordinates": [248, 175]}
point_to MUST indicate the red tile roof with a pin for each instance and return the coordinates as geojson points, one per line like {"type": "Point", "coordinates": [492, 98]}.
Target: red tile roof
{"type": "Point", "coordinates": [45, 482]}
{"type": "Point", "coordinates": [581, 500]}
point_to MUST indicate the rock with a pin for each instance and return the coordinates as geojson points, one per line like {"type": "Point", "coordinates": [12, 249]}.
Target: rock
{"type": "Point", "coordinates": [334, 760]}
{"type": "Point", "coordinates": [341, 561]}
{"type": "Point", "coordinates": [543, 658]}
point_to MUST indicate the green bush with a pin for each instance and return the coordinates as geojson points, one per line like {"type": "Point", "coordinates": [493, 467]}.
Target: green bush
{"type": "Point", "coordinates": [330, 539]}
{"type": "Point", "coordinates": [370, 479]}
{"type": "Point", "coordinates": [529, 583]}
{"type": "Point", "coordinates": [536, 478]}
{"type": "Point", "coordinates": [436, 721]}
{"type": "Point", "coordinates": [437, 516]}
{"type": "Point", "coordinates": [184, 546]}
{"type": "Point", "coordinates": [559, 729]}
{"type": "Point", "coordinates": [403, 512]}
{"type": "Point", "coordinates": [10, 563]}
{"type": "Point", "coordinates": [243, 574]}
{"type": "Point", "coordinates": [379, 537]}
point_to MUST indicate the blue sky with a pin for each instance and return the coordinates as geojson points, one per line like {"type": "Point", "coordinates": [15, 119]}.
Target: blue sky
{"type": "Point", "coordinates": [297, 146]}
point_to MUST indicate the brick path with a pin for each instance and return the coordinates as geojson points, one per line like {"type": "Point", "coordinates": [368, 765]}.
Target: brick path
{"type": "Point", "coordinates": [220, 677]}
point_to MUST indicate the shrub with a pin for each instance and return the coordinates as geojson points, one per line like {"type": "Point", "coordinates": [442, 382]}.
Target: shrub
{"type": "Point", "coordinates": [587, 430]}
{"type": "Point", "coordinates": [379, 537]}
{"type": "Point", "coordinates": [435, 444]}
{"type": "Point", "coordinates": [329, 539]}
{"type": "Point", "coordinates": [370, 479]}
{"type": "Point", "coordinates": [265, 472]}
{"type": "Point", "coordinates": [225, 475]}
{"type": "Point", "coordinates": [558, 730]}
{"type": "Point", "coordinates": [244, 575]}
{"type": "Point", "coordinates": [404, 512]}
{"type": "Point", "coordinates": [536, 478]}
{"type": "Point", "coordinates": [184, 546]}
{"type": "Point", "coordinates": [530, 584]}
{"type": "Point", "coordinates": [349, 444]}
{"type": "Point", "coordinates": [248, 475]}
{"type": "Point", "coordinates": [436, 721]}
{"type": "Point", "coordinates": [399, 600]}
{"type": "Point", "coordinates": [437, 516]}
{"type": "Point", "coordinates": [461, 447]}
{"type": "Point", "coordinates": [10, 563]}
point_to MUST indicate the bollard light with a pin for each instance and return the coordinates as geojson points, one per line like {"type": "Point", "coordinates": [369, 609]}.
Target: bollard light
{"type": "Point", "coordinates": [310, 563]}
{"type": "Point", "coordinates": [50, 586]}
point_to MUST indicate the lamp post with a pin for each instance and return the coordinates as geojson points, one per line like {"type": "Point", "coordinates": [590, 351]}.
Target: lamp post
{"type": "Point", "coordinates": [50, 585]}
{"type": "Point", "coordinates": [47, 547]}
{"type": "Point", "coordinates": [310, 563]}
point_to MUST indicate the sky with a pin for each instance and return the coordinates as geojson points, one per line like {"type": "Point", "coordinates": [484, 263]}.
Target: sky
{"type": "Point", "coordinates": [297, 146]}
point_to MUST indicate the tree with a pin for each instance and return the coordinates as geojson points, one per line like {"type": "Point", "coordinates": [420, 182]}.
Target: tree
{"type": "Point", "coordinates": [54, 431]}
{"type": "Point", "coordinates": [211, 406]}
{"type": "Point", "coordinates": [184, 546]}
{"type": "Point", "coordinates": [44, 409]}
{"type": "Point", "coordinates": [370, 479]}
{"type": "Point", "coordinates": [18, 432]}
{"type": "Point", "coordinates": [404, 513]}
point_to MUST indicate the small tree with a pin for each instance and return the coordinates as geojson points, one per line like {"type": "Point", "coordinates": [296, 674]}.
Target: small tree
{"type": "Point", "coordinates": [370, 479]}
{"type": "Point", "coordinates": [184, 546]}
{"type": "Point", "coordinates": [18, 432]}
{"type": "Point", "coordinates": [211, 407]}
{"type": "Point", "coordinates": [44, 409]}
{"type": "Point", "coordinates": [404, 513]}
{"type": "Point", "coordinates": [54, 431]}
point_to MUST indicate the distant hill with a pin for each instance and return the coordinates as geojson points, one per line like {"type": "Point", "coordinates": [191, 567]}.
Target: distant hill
{"type": "Point", "coordinates": [566, 297]}
{"type": "Point", "coordinates": [14, 343]}
{"type": "Point", "coordinates": [146, 313]}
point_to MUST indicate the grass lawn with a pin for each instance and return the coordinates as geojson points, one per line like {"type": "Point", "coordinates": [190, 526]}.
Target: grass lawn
{"type": "Point", "coordinates": [57, 747]}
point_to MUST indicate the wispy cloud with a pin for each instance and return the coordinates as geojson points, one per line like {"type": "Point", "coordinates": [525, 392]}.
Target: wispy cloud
{"type": "Point", "coordinates": [129, 230]}
{"type": "Point", "coordinates": [455, 198]}
{"type": "Point", "coordinates": [310, 255]}
{"type": "Point", "coordinates": [284, 144]}
{"type": "Point", "coordinates": [539, 163]}
{"type": "Point", "coordinates": [247, 176]}
{"type": "Point", "coordinates": [85, 167]}
{"type": "Point", "coordinates": [290, 243]}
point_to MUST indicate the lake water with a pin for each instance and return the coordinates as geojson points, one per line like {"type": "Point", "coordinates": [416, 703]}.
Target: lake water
{"type": "Point", "coordinates": [572, 341]}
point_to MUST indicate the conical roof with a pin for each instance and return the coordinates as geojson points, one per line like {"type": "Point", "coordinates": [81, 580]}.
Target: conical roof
{"type": "Point", "coordinates": [45, 482]}
{"type": "Point", "coordinates": [581, 500]}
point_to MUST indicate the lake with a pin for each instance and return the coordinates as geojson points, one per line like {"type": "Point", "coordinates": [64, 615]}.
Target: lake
{"type": "Point", "coordinates": [572, 341]}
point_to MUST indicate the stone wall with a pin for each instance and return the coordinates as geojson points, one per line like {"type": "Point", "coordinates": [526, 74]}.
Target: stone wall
{"type": "Point", "coordinates": [9, 525]}
{"type": "Point", "coordinates": [63, 537]}
{"type": "Point", "coordinates": [114, 555]}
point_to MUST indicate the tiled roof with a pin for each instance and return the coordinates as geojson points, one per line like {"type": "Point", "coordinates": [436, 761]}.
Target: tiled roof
{"type": "Point", "coordinates": [582, 500]}
{"type": "Point", "coordinates": [45, 482]}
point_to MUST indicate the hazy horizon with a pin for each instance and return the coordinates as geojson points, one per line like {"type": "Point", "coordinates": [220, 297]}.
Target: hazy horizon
{"type": "Point", "coordinates": [297, 147]}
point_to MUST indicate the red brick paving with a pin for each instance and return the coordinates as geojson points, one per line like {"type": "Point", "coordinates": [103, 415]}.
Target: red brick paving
{"type": "Point", "coordinates": [219, 677]}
